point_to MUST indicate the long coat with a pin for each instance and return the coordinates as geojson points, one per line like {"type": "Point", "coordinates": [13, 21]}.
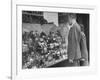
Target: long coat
{"type": "Point", "coordinates": [74, 39]}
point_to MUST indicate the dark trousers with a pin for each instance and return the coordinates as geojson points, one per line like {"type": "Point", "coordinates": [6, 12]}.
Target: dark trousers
{"type": "Point", "coordinates": [76, 63]}
{"type": "Point", "coordinates": [80, 63]}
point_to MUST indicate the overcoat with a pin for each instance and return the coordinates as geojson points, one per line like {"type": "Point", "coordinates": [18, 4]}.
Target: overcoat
{"type": "Point", "coordinates": [74, 38]}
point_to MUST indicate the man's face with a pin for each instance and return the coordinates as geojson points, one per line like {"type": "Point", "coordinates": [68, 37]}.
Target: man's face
{"type": "Point", "coordinates": [70, 21]}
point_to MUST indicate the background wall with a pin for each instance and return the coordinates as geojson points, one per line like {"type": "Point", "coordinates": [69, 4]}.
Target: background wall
{"type": "Point", "coordinates": [5, 37]}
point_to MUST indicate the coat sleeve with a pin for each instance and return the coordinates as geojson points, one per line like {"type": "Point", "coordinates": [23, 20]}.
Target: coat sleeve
{"type": "Point", "coordinates": [71, 43]}
{"type": "Point", "coordinates": [84, 52]}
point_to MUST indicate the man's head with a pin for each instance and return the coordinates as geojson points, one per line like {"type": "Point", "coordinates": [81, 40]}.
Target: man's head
{"type": "Point", "coordinates": [71, 18]}
{"type": "Point", "coordinates": [82, 27]}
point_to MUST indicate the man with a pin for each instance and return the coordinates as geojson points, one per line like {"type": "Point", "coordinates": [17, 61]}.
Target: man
{"type": "Point", "coordinates": [83, 45]}
{"type": "Point", "coordinates": [74, 37]}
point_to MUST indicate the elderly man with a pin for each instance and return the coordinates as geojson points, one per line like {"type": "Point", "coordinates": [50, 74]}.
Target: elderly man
{"type": "Point", "coordinates": [74, 41]}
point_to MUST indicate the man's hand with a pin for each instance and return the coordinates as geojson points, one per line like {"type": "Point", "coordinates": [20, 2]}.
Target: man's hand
{"type": "Point", "coordinates": [82, 59]}
{"type": "Point", "coordinates": [70, 61]}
